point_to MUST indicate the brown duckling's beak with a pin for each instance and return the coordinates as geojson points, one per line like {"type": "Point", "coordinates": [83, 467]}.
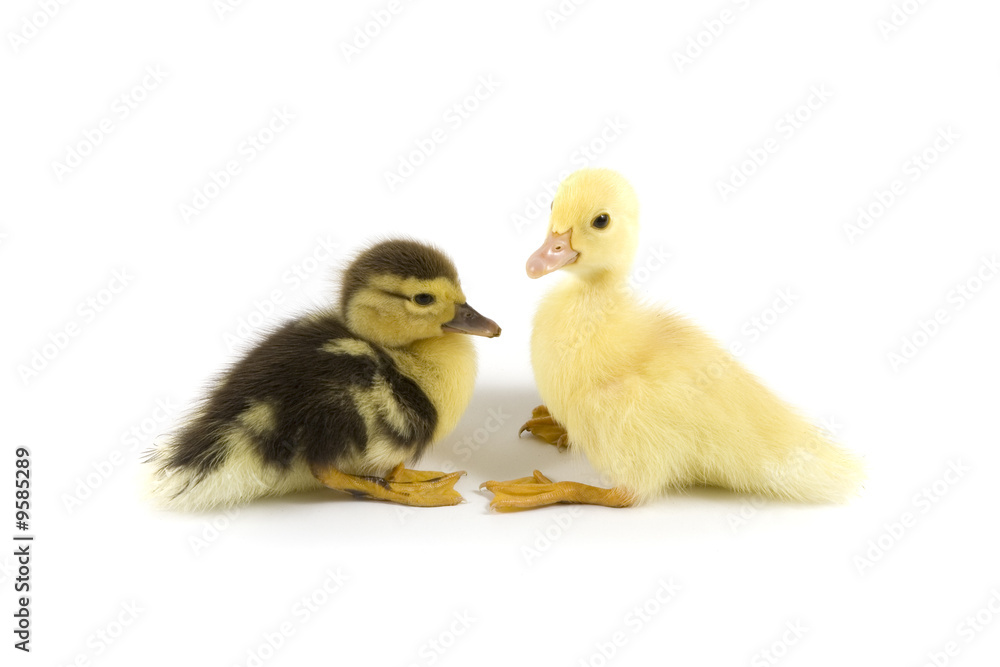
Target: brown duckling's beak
{"type": "Point", "coordinates": [555, 253]}
{"type": "Point", "coordinates": [468, 321]}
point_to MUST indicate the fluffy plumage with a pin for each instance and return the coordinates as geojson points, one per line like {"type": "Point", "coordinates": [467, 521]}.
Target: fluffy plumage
{"type": "Point", "coordinates": [361, 390]}
{"type": "Point", "coordinates": [651, 400]}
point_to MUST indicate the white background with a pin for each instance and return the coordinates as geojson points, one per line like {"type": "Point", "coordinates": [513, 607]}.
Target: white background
{"type": "Point", "coordinates": [888, 579]}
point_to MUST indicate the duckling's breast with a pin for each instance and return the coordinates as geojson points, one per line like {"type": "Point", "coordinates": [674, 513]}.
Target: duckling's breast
{"type": "Point", "coordinates": [576, 346]}
{"type": "Point", "coordinates": [444, 368]}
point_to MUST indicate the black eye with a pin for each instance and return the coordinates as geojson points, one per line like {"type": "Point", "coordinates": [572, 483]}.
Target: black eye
{"type": "Point", "coordinates": [424, 299]}
{"type": "Point", "coordinates": [601, 221]}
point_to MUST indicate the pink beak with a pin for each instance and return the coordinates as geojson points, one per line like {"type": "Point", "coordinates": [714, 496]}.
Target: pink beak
{"type": "Point", "coordinates": [554, 254]}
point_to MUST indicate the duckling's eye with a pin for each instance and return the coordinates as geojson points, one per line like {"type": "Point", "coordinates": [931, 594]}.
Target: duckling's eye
{"type": "Point", "coordinates": [424, 299]}
{"type": "Point", "coordinates": [601, 221]}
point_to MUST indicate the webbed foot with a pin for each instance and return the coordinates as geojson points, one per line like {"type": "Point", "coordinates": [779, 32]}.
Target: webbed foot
{"type": "Point", "coordinates": [545, 427]}
{"type": "Point", "coordinates": [417, 488]}
{"type": "Point", "coordinates": [539, 491]}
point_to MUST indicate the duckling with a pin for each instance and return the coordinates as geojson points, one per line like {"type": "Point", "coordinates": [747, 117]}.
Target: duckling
{"type": "Point", "coordinates": [649, 398]}
{"type": "Point", "coordinates": [338, 398]}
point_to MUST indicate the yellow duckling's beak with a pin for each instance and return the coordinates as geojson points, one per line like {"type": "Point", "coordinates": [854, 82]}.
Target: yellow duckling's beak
{"type": "Point", "coordinates": [468, 321]}
{"type": "Point", "coordinates": [555, 253]}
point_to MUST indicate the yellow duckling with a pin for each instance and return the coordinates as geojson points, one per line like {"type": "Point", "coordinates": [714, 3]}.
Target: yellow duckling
{"type": "Point", "coordinates": [338, 399]}
{"type": "Point", "coordinates": [651, 400]}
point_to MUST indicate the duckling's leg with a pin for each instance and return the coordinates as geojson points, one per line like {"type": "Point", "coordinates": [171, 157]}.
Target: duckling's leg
{"type": "Point", "coordinates": [539, 491]}
{"type": "Point", "coordinates": [545, 427]}
{"type": "Point", "coordinates": [419, 488]}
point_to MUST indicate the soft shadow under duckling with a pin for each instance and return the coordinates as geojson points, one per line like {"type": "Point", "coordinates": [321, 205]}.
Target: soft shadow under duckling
{"type": "Point", "coordinates": [342, 399]}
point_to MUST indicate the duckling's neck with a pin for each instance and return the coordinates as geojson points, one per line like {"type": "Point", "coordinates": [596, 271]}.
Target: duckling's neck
{"type": "Point", "coordinates": [445, 368]}
{"type": "Point", "coordinates": [580, 315]}
{"type": "Point", "coordinates": [597, 294]}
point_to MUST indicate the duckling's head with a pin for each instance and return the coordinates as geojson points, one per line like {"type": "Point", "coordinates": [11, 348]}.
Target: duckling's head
{"type": "Point", "coordinates": [400, 291]}
{"type": "Point", "coordinates": [593, 228]}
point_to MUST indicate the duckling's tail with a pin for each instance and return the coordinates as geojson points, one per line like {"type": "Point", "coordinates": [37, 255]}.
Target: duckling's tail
{"type": "Point", "coordinates": [236, 476]}
{"type": "Point", "coordinates": [811, 470]}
